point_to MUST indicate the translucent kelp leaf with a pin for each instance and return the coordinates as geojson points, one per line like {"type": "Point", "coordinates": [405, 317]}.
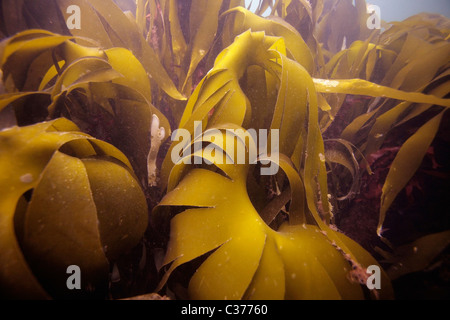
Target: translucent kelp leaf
{"type": "Point", "coordinates": [296, 46]}
{"type": "Point", "coordinates": [362, 87]}
{"type": "Point", "coordinates": [219, 98]}
{"type": "Point", "coordinates": [247, 258]}
{"type": "Point", "coordinates": [106, 23]}
{"type": "Point", "coordinates": [45, 159]}
{"type": "Point", "coordinates": [204, 19]}
{"type": "Point", "coordinates": [134, 75]}
{"type": "Point", "coordinates": [80, 79]}
{"type": "Point", "coordinates": [406, 163]}
{"type": "Point", "coordinates": [418, 255]}
{"type": "Point", "coordinates": [17, 16]}
{"type": "Point", "coordinates": [121, 206]}
{"type": "Point", "coordinates": [62, 213]}
{"type": "Point", "coordinates": [20, 52]}
{"type": "Point", "coordinates": [341, 22]}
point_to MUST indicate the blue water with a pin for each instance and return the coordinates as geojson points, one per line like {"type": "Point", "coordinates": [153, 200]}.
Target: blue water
{"type": "Point", "coordinates": [397, 10]}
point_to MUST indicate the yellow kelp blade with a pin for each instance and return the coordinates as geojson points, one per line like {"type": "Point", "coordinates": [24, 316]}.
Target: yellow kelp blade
{"type": "Point", "coordinates": [134, 74]}
{"type": "Point", "coordinates": [79, 79]}
{"type": "Point", "coordinates": [130, 111]}
{"type": "Point", "coordinates": [269, 279]}
{"type": "Point", "coordinates": [418, 255]}
{"type": "Point", "coordinates": [122, 221]}
{"type": "Point", "coordinates": [40, 41]}
{"type": "Point", "coordinates": [48, 250]}
{"type": "Point", "coordinates": [204, 20]}
{"type": "Point", "coordinates": [16, 277]}
{"type": "Point", "coordinates": [109, 25]}
{"type": "Point", "coordinates": [84, 70]}
{"type": "Point", "coordinates": [223, 222]}
{"type": "Point", "coordinates": [235, 228]}
{"type": "Point", "coordinates": [363, 87]}
{"type": "Point", "coordinates": [393, 117]}
{"type": "Point", "coordinates": [24, 51]}
{"type": "Point", "coordinates": [406, 163]}
{"type": "Point", "coordinates": [219, 98]}
{"type": "Point", "coordinates": [7, 99]}
{"type": "Point", "coordinates": [417, 59]}
{"type": "Point", "coordinates": [296, 46]}
{"type": "Point", "coordinates": [43, 158]}
{"type": "Point", "coordinates": [220, 89]}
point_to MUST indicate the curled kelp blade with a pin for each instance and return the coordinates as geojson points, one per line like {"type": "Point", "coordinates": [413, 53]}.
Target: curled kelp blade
{"type": "Point", "coordinates": [222, 221]}
{"type": "Point", "coordinates": [38, 55]}
{"type": "Point", "coordinates": [52, 228]}
{"type": "Point", "coordinates": [406, 163]}
{"type": "Point", "coordinates": [83, 84]}
{"type": "Point", "coordinates": [21, 53]}
{"type": "Point", "coordinates": [118, 30]}
{"type": "Point", "coordinates": [342, 153]}
{"type": "Point", "coordinates": [60, 166]}
{"type": "Point", "coordinates": [241, 20]}
{"type": "Point", "coordinates": [104, 25]}
{"type": "Point", "coordinates": [220, 90]}
{"type": "Point", "coordinates": [219, 98]}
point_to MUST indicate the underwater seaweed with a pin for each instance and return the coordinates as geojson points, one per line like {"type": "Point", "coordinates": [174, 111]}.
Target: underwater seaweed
{"type": "Point", "coordinates": [67, 199]}
{"type": "Point", "coordinates": [338, 92]}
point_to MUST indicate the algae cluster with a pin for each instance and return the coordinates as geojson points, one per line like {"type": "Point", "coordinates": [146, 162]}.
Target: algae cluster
{"type": "Point", "coordinates": [90, 108]}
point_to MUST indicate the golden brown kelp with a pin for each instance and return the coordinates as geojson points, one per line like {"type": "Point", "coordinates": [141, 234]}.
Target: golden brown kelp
{"type": "Point", "coordinates": [183, 34]}
{"type": "Point", "coordinates": [248, 259]}
{"type": "Point", "coordinates": [211, 107]}
{"type": "Point", "coordinates": [393, 63]}
{"type": "Point", "coordinates": [106, 92]}
{"type": "Point", "coordinates": [67, 199]}
{"type": "Point", "coordinates": [104, 25]}
{"type": "Point", "coordinates": [334, 89]}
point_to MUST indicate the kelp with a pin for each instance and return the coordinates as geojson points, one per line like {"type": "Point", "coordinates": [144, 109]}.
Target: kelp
{"type": "Point", "coordinates": [85, 84]}
{"type": "Point", "coordinates": [183, 34]}
{"type": "Point", "coordinates": [59, 187]}
{"type": "Point", "coordinates": [421, 70]}
{"type": "Point", "coordinates": [246, 258]}
{"type": "Point", "coordinates": [209, 105]}
{"type": "Point", "coordinates": [242, 20]}
{"type": "Point", "coordinates": [229, 104]}
{"type": "Point", "coordinates": [417, 255]}
{"type": "Point", "coordinates": [104, 25]}
{"type": "Point", "coordinates": [313, 70]}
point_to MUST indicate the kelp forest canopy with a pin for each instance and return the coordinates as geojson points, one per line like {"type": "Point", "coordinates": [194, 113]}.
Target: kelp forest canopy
{"type": "Point", "coordinates": [115, 124]}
